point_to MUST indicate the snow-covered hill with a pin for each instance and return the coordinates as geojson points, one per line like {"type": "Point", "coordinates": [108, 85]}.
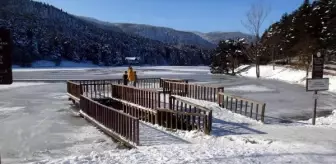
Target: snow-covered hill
{"type": "Point", "coordinates": [164, 34]}
{"type": "Point", "coordinates": [43, 32]}
{"type": "Point", "coordinates": [215, 37]}
{"type": "Point", "coordinates": [171, 36]}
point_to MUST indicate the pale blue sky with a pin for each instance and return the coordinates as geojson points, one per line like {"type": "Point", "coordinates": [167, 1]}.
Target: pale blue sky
{"type": "Point", "coordinates": [188, 15]}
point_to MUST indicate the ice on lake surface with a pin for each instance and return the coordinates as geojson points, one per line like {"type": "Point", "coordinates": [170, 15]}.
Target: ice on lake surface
{"type": "Point", "coordinates": [283, 100]}
{"type": "Point", "coordinates": [46, 128]}
{"type": "Point", "coordinates": [36, 123]}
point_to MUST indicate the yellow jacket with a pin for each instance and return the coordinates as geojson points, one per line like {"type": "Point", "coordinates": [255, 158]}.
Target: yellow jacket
{"type": "Point", "coordinates": [131, 75]}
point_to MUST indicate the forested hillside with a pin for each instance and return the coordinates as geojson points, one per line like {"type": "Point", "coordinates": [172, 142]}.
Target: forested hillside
{"type": "Point", "coordinates": [166, 35]}
{"type": "Point", "coordinates": [41, 31]}
{"type": "Point", "coordinates": [171, 36]}
{"type": "Point", "coordinates": [299, 34]}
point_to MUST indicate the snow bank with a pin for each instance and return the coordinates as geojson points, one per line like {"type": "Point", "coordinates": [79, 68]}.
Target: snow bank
{"type": "Point", "coordinates": [249, 88]}
{"type": "Point", "coordinates": [286, 74]}
{"type": "Point", "coordinates": [293, 76]}
{"type": "Point", "coordinates": [19, 84]}
{"type": "Point", "coordinates": [242, 67]}
{"type": "Point", "coordinates": [230, 150]}
{"type": "Point", "coordinates": [328, 120]}
{"type": "Point", "coordinates": [280, 73]}
{"type": "Point", "coordinates": [10, 109]}
{"type": "Point", "coordinates": [332, 83]}
{"type": "Point", "coordinates": [184, 68]}
{"type": "Point", "coordinates": [164, 73]}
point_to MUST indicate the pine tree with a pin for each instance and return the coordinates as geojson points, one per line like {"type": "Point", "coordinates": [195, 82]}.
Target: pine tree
{"type": "Point", "coordinates": [227, 55]}
{"type": "Point", "coordinates": [308, 29]}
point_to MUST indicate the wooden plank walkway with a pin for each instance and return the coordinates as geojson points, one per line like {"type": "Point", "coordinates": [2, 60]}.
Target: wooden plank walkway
{"type": "Point", "coordinates": [150, 136]}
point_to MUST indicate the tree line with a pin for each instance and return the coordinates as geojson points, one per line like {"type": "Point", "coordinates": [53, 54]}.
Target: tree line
{"type": "Point", "coordinates": [291, 40]}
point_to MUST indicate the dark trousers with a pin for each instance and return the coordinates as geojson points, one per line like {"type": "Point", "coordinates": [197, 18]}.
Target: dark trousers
{"type": "Point", "coordinates": [125, 79]}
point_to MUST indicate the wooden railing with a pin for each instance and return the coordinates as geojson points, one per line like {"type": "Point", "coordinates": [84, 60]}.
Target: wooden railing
{"type": "Point", "coordinates": [91, 85]}
{"type": "Point", "coordinates": [141, 82]}
{"type": "Point", "coordinates": [194, 116]}
{"type": "Point", "coordinates": [96, 89]}
{"type": "Point", "coordinates": [149, 105]}
{"type": "Point", "coordinates": [145, 97]}
{"type": "Point", "coordinates": [143, 114]}
{"type": "Point", "coordinates": [99, 81]}
{"type": "Point", "coordinates": [247, 107]}
{"type": "Point", "coordinates": [162, 80]}
{"type": "Point", "coordinates": [182, 114]}
{"type": "Point", "coordinates": [74, 89]}
{"type": "Point", "coordinates": [195, 91]}
{"type": "Point", "coordinates": [119, 122]}
{"type": "Point", "coordinates": [148, 83]}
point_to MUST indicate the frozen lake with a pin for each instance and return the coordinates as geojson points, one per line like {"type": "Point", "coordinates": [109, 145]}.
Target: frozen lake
{"type": "Point", "coordinates": [36, 122]}
{"type": "Point", "coordinates": [286, 101]}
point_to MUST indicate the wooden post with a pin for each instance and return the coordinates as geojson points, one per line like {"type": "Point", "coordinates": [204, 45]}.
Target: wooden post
{"type": "Point", "coordinates": [263, 113]}
{"type": "Point", "coordinates": [315, 105]}
{"type": "Point", "coordinates": [209, 122]}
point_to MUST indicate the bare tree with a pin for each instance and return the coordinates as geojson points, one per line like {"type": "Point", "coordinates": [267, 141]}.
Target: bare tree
{"type": "Point", "coordinates": [255, 17]}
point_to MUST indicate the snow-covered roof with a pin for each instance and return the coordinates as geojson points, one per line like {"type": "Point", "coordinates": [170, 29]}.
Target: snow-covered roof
{"type": "Point", "coordinates": [132, 58]}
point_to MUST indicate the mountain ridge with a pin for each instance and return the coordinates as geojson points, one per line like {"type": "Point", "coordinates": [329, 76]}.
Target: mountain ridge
{"type": "Point", "coordinates": [43, 32]}
{"type": "Point", "coordinates": [171, 35]}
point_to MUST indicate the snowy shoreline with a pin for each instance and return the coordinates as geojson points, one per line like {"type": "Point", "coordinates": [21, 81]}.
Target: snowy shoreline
{"type": "Point", "coordinates": [235, 138]}
{"type": "Point", "coordinates": [285, 74]}
{"type": "Point", "coordinates": [293, 76]}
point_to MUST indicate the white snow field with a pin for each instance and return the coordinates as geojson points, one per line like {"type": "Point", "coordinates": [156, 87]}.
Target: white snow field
{"type": "Point", "coordinates": [36, 123]}
{"type": "Point", "coordinates": [234, 139]}
{"type": "Point", "coordinates": [18, 85]}
{"type": "Point", "coordinates": [286, 74]}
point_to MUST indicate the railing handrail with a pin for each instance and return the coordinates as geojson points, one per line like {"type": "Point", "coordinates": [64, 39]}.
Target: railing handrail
{"type": "Point", "coordinates": [109, 79]}
{"type": "Point", "coordinates": [133, 105]}
{"type": "Point", "coordinates": [151, 78]}
{"type": "Point", "coordinates": [72, 82]}
{"type": "Point", "coordinates": [241, 98]}
{"type": "Point", "coordinates": [180, 83]}
{"type": "Point", "coordinates": [110, 108]}
{"type": "Point", "coordinates": [180, 112]}
{"type": "Point", "coordinates": [190, 103]}
{"type": "Point", "coordinates": [136, 88]}
{"type": "Point", "coordinates": [168, 79]}
{"type": "Point", "coordinates": [92, 79]}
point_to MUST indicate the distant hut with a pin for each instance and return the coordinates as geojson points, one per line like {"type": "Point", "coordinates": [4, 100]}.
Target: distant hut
{"type": "Point", "coordinates": [133, 60]}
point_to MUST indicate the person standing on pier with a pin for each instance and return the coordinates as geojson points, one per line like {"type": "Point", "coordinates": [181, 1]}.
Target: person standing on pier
{"type": "Point", "coordinates": [125, 78]}
{"type": "Point", "coordinates": [131, 75]}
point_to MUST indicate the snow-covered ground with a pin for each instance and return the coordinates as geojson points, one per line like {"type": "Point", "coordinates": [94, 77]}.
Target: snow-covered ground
{"type": "Point", "coordinates": [293, 76]}
{"type": "Point", "coordinates": [235, 138]}
{"type": "Point", "coordinates": [286, 74]}
{"type": "Point", "coordinates": [36, 123]}
{"type": "Point", "coordinates": [18, 84]}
